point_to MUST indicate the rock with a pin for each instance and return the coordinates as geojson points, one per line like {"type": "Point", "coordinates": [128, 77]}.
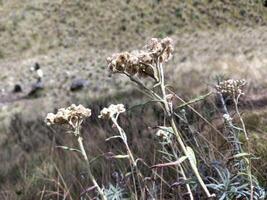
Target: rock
{"type": "Point", "coordinates": [36, 89]}
{"type": "Point", "coordinates": [17, 88]}
{"type": "Point", "coordinates": [78, 84]}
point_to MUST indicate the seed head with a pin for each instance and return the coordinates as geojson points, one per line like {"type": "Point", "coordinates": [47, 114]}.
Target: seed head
{"type": "Point", "coordinates": [120, 62]}
{"type": "Point", "coordinates": [145, 57]}
{"type": "Point", "coordinates": [70, 115]}
{"type": "Point", "coordinates": [154, 46]}
{"type": "Point", "coordinates": [227, 117]}
{"type": "Point", "coordinates": [111, 111]}
{"type": "Point", "coordinates": [164, 136]}
{"type": "Point", "coordinates": [146, 71]}
{"type": "Point", "coordinates": [141, 61]}
{"type": "Point", "coordinates": [160, 49]}
{"type": "Point", "coordinates": [231, 87]}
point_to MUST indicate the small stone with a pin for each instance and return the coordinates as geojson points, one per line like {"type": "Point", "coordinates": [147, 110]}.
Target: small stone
{"type": "Point", "coordinates": [36, 89]}
{"type": "Point", "coordinates": [17, 88]}
{"type": "Point", "coordinates": [78, 84]}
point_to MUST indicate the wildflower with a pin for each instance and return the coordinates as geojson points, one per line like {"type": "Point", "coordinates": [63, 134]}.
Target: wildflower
{"type": "Point", "coordinates": [121, 62]}
{"type": "Point", "coordinates": [227, 117]}
{"type": "Point", "coordinates": [117, 62]}
{"type": "Point", "coordinates": [70, 115]}
{"type": "Point", "coordinates": [132, 64]}
{"type": "Point", "coordinates": [145, 57]}
{"type": "Point", "coordinates": [154, 46]}
{"type": "Point", "coordinates": [145, 67]}
{"type": "Point", "coordinates": [231, 87]}
{"type": "Point", "coordinates": [111, 111]}
{"type": "Point", "coordinates": [164, 136]}
{"type": "Point", "coordinates": [160, 49]}
{"type": "Point", "coordinates": [141, 62]}
{"type": "Point", "coordinates": [145, 71]}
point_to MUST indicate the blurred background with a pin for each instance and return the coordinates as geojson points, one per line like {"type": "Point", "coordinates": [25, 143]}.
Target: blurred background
{"type": "Point", "coordinates": [53, 53]}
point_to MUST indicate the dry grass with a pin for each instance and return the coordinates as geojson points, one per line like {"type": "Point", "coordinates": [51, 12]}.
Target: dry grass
{"type": "Point", "coordinates": [29, 142]}
{"type": "Point", "coordinates": [35, 27]}
{"type": "Point", "coordinates": [69, 40]}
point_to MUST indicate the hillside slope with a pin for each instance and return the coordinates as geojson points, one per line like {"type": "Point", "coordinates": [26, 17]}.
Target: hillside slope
{"type": "Point", "coordinates": [30, 28]}
{"type": "Point", "coordinates": [71, 39]}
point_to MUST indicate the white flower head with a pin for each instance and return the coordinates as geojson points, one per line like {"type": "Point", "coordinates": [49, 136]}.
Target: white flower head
{"type": "Point", "coordinates": [70, 115]}
{"type": "Point", "coordinates": [227, 117]}
{"type": "Point", "coordinates": [164, 135]}
{"type": "Point", "coordinates": [231, 87]}
{"type": "Point", "coordinates": [141, 62]}
{"type": "Point", "coordinates": [111, 111]}
{"type": "Point", "coordinates": [160, 48]}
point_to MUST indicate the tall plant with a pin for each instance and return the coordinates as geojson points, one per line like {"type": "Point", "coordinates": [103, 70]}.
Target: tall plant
{"type": "Point", "coordinates": [149, 62]}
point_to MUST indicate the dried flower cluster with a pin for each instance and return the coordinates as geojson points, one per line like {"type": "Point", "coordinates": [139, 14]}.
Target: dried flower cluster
{"type": "Point", "coordinates": [141, 62]}
{"type": "Point", "coordinates": [227, 117]}
{"type": "Point", "coordinates": [163, 135]}
{"type": "Point", "coordinates": [231, 87]}
{"type": "Point", "coordinates": [111, 111]}
{"type": "Point", "coordinates": [70, 115]}
{"type": "Point", "coordinates": [160, 49]}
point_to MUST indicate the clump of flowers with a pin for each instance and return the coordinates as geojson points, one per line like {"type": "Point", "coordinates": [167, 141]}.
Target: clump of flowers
{"type": "Point", "coordinates": [160, 48]}
{"type": "Point", "coordinates": [70, 115]}
{"type": "Point", "coordinates": [74, 116]}
{"type": "Point", "coordinates": [123, 61]}
{"type": "Point", "coordinates": [231, 87]}
{"type": "Point", "coordinates": [111, 111]}
{"type": "Point", "coordinates": [141, 61]}
{"type": "Point", "coordinates": [164, 135]}
{"type": "Point", "coordinates": [149, 62]}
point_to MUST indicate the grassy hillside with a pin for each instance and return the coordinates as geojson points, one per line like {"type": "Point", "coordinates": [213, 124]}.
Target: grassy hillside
{"type": "Point", "coordinates": [71, 40]}
{"type": "Point", "coordinates": [36, 27]}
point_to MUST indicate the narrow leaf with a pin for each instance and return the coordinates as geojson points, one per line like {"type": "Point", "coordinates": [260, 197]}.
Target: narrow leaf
{"type": "Point", "coordinates": [179, 161]}
{"type": "Point", "coordinates": [113, 137]}
{"type": "Point", "coordinates": [120, 156]}
{"type": "Point", "coordinates": [241, 155]}
{"type": "Point", "coordinates": [191, 155]}
{"type": "Point", "coordinates": [68, 148]}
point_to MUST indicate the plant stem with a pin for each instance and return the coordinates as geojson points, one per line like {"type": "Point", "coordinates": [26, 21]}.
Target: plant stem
{"type": "Point", "coordinates": [237, 147]}
{"type": "Point", "coordinates": [187, 185]}
{"type": "Point", "coordinates": [148, 91]}
{"type": "Point", "coordinates": [194, 100]}
{"type": "Point", "coordinates": [175, 130]}
{"type": "Point", "coordinates": [193, 166]}
{"type": "Point", "coordinates": [91, 176]}
{"type": "Point", "coordinates": [249, 168]}
{"type": "Point", "coordinates": [129, 152]}
{"type": "Point", "coordinates": [124, 139]}
{"type": "Point", "coordinates": [183, 174]}
{"type": "Point", "coordinates": [162, 86]}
